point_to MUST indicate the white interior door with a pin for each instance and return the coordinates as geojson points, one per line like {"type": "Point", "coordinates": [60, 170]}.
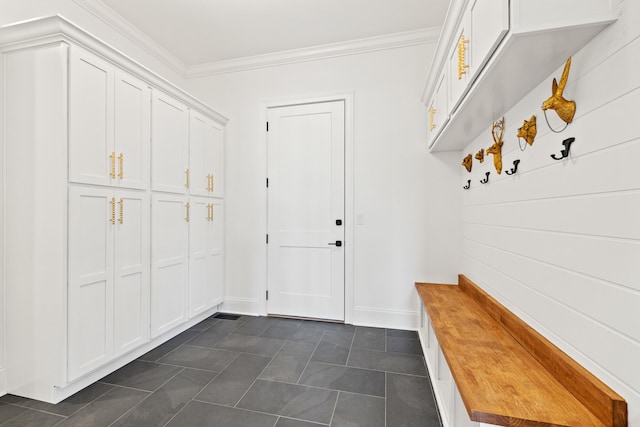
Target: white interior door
{"type": "Point", "coordinates": [306, 210]}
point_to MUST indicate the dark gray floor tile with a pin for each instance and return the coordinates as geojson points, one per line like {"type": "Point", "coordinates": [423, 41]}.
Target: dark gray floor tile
{"type": "Point", "coordinates": [369, 338]}
{"type": "Point", "coordinates": [8, 411]}
{"type": "Point", "coordinates": [288, 364]}
{"type": "Point", "coordinates": [67, 406]}
{"type": "Point", "coordinates": [290, 422]}
{"type": "Point", "coordinates": [403, 345]}
{"type": "Point", "coordinates": [342, 378]}
{"type": "Point", "coordinates": [251, 344]}
{"type": "Point", "coordinates": [232, 383]}
{"type": "Point", "coordinates": [410, 402]}
{"type": "Point", "coordinates": [333, 348]}
{"type": "Point", "coordinates": [33, 418]}
{"type": "Point", "coordinates": [205, 324]}
{"type": "Point", "coordinates": [402, 334]}
{"type": "Point", "coordinates": [146, 376]}
{"type": "Point", "coordinates": [308, 335]}
{"type": "Point", "coordinates": [215, 333]}
{"type": "Point", "coordinates": [355, 410]}
{"type": "Point", "coordinates": [283, 321]}
{"type": "Point", "coordinates": [166, 348]}
{"type": "Point", "coordinates": [255, 326]}
{"type": "Point", "coordinates": [329, 326]}
{"type": "Point", "coordinates": [208, 415]}
{"type": "Point", "coordinates": [282, 332]}
{"type": "Point", "coordinates": [106, 409]}
{"type": "Point", "coordinates": [391, 362]}
{"type": "Point", "coordinates": [290, 400]}
{"type": "Point", "coordinates": [209, 359]}
{"type": "Point", "coordinates": [164, 403]}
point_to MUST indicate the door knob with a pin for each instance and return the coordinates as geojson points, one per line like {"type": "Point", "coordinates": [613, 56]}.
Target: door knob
{"type": "Point", "coordinates": [338, 222]}
{"type": "Point", "coordinates": [337, 243]}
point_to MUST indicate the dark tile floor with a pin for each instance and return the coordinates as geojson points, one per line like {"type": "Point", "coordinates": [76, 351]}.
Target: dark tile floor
{"type": "Point", "coordinates": [255, 371]}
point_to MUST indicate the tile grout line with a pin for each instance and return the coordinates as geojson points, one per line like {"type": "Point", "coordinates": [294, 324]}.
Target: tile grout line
{"type": "Point", "coordinates": [309, 359]}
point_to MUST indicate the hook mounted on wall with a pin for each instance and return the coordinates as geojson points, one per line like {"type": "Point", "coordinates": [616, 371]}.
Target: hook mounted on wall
{"type": "Point", "coordinates": [567, 148]}
{"type": "Point", "coordinates": [486, 179]}
{"type": "Point", "coordinates": [466, 187]}
{"type": "Point", "coordinates": [514, 169]}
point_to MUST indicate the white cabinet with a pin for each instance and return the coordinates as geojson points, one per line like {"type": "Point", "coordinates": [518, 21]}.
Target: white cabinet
{"type": "Point", "coordinates": [170, 144]}
{"type": "Point", "coordinates": [171, 214]}
{"type": "Point", "coordinates": [205, 254]}
{"type": "Point", "coordinates": [94, 263]}
{"type": "Point", "coordinates": [494, 52]}
{"type": "Point", "coordinates": [439, 107]}
{"type": "Point", "coordinates": [205, 156]}
{"type": "Point", "coordinates": [108, 275]}
{"type": "Point", "coordinates": [109, 118]}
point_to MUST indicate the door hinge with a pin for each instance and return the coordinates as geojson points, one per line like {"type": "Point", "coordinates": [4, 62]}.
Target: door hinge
{"type": "Point", "coordinates": [267, 126]}
{"type": "Point", "coordinates": [267, 295]}
{"type": "Point", "coordinates": [267, 239]}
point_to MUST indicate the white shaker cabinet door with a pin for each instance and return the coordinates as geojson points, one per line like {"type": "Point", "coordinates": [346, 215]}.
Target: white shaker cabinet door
{"type": "Point", "coordinates": [92, 217]}
{"type": "Point", "coordinates": [131, 281]}
{"type": "Point", "coordinates": [91, 147]}
{"type": "Point", "coordinates": [169, 145]}
{"type": "Point", "coordinates": [199, 225]}
{"type": "Point", "coordinates": [215, 158]}
{"type": "Point", "coordinates": [205, 156]}
{"type": "Point", "coordinates": [215, 238]}
{"type": "Point", "coordinates": [132, 131]}
{"type": "Point", "coordinates": [170, 214]}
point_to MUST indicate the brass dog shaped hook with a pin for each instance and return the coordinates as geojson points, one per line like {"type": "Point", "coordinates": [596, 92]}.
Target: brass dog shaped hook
{"type": "Point", "coordinates": [528, 130]}
{"type": "Point", "coordinates": [497, 130]}
{"type": "Point", "coordinates": [564, 108]}
{"type": "Point", "coordinates": [467, 162]}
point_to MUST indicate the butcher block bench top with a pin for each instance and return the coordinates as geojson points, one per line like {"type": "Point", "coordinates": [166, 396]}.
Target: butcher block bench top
{"type": "Point", "coordinates": [508, 374]}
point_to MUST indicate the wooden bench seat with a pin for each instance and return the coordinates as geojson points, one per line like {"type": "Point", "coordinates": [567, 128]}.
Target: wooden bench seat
{"type": "Point", "coordinates": [507, 373]}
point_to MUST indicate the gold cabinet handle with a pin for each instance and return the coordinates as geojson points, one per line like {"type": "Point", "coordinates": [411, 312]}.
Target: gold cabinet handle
{"type": "Point", "coordinates": [113, 210]}
{"type": "Point", "coordinates": [462, 67]}
{"type": "Point", "coordinates": [212, 189]}
{"type": "Point", "coordinates": [211, 211]}
{"type": "Point", "coordinates": [186, 172]}
{"type": "Point", "coordinates": [112, 156]}
{"type": "Point", "coordinates": [209, 182]}
{"type": "Point", "coordinates": [186, 205]}
{"type": "Point", "coordinates": [432, 121]}
{"type": "Point", "coordinates": [121, 205]}
{"type": "Point", "coordinates": [121, 164]}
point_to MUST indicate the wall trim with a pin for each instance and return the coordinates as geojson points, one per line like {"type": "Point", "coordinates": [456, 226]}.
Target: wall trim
{"type": "Point", "coordinates": [3, 382]}
{"type": "Point", "coordinates": [383, 318]}
{"type": "Point", "coordinates": [332, 50]}
{"type": "Point", "coordinates": [246, 306]}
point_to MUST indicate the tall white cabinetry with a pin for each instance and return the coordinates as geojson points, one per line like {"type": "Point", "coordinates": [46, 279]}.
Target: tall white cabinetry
{"type": "Point", "coordinates": [103, 259]}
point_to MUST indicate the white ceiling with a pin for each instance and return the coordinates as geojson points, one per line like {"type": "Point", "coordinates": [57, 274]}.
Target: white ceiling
{"type": "Point", "coordinates": [206, 31]}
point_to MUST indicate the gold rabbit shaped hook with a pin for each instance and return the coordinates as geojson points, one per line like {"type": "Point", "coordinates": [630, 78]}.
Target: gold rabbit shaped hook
{"type": "Point", "coordinates": [564, 108]}
{"type": "Point", "coordinates": [497, 130]}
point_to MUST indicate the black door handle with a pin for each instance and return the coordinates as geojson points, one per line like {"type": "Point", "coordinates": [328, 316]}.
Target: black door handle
{"type": "Point", "coordinates": [337, 243]}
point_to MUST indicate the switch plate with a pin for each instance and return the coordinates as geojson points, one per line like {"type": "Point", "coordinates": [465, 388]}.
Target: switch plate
{"type": "Point", "coordinates": [360, 219]}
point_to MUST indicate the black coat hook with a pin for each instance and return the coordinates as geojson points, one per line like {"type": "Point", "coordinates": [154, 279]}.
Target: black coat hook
{"type": "Point", "coordinates": [514, 169]}
{"type": "Point", "coordinates": [567, 147]}
{"type": "Point", "coordinates": [485, 180]}
{"type": "Point", "coordinates": [466, 187]}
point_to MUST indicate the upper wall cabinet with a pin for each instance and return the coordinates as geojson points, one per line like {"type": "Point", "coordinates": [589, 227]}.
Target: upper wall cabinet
{"type": "Point", "coordinates": [205, 156]}
{"type": "Point", "coordinates": [493, 52]}
{"type": "Point", "coordinates": [109, 119]}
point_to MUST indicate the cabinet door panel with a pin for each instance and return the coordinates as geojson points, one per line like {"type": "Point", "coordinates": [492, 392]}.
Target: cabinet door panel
{"type": "Point", "coordinates": [90, 293]}
{"type": "Point", "coordinates": [131, 288]}
{"type": "Point", "coordinates": [90, 118]}
{"type": "Point", "coordinates": [458, 63]}
{"type": "Point", "coordinates": [198, 155]}
{"type": "Point", "coordinates": [215, 157]}
{"type": "Point", "coordinates": [169, 263]}
{"type": "Point", "coordinates": [489, 22]}
{"type": "Point", "coordinates": [170, 145]}
{"type": "Point", "coordinates": [198, 242]}
{"type": "Point", "coordinates": [132, 131]}
{"type": "Point", "coordinates": [215, 240]}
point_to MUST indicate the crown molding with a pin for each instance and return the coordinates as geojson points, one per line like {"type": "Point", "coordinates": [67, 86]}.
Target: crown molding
{"type": "Point", "coordinates": [332, 50]}
{"type": "Point", "coordinates": [131, 32]}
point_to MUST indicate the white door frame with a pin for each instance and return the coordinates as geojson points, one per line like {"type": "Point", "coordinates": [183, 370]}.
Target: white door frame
{"type": "Point", "coordinates": [349, 217]}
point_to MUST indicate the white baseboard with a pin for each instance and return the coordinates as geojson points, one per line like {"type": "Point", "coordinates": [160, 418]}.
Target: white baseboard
{"type": "Point", "coordinates": [246, 306]}
{"type": "Point", "coordinates": [408, 320]}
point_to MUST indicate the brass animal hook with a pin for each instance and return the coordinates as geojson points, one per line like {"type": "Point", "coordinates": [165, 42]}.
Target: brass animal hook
{"type": "Point", "coordinates": [467, 162]}
{"type": "Point", "coordinates": [528, 131]}
{"type": "Point", "coordinates": [564, 108]}
{"type": "Point", "coordinates": [497, 130]}
{"type": "Point", "coordinates": [480, 155]}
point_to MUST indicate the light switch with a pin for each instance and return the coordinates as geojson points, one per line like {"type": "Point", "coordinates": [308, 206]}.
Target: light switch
{"type": "Point", "coordinates": [360, 219]}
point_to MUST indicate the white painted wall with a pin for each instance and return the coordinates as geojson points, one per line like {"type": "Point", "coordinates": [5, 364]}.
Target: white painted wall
{"type": "Point", "coordinates": [409, 197]}
{"type": "Point", "coordinates": [12, 11]}
{"type": "Point", "coordinates": [559, 243]}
